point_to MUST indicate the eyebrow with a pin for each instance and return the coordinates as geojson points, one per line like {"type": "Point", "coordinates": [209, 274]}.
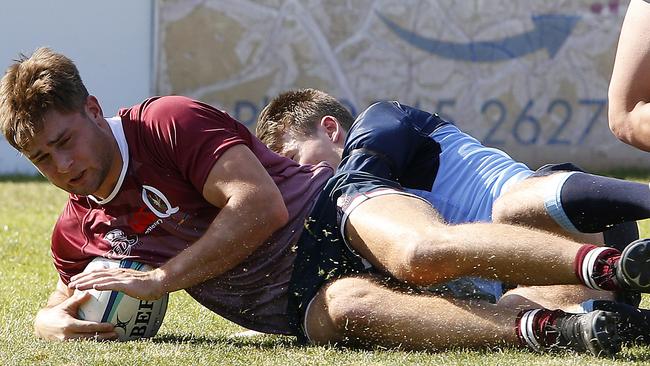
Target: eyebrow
{"type": "Point", "coordinates": [49, 143]}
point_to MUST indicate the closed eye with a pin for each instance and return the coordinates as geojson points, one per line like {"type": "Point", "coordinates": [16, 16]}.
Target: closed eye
{"type": "Point", "coordinates": [41, 158]}
{"type": "Point", "coordinates": [63, 142]}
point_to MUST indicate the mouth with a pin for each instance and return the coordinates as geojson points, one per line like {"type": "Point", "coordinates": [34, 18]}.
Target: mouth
{"type": "Point", "coordinates": [77, 179]}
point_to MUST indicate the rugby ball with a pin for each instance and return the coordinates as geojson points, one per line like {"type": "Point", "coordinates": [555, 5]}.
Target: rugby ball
{"type": "Point", "coordinates": [133, 318]}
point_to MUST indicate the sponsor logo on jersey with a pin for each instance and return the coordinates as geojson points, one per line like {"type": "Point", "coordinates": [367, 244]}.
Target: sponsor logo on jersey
{"type": "Point", "coordinates": [121, 243]}
{"type": "Point", "coordinates": [143, 221]}
{"type": "Point", "coordinates": [157, 202]}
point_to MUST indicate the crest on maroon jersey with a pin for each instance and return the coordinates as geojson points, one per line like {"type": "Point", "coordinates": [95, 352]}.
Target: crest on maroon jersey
{"type": "Point", "coordinates": [157, 202]}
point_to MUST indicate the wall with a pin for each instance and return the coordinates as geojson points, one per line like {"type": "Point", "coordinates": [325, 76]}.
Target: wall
{"type": "Point", "coordinates": [529, 77]}
{"type": "Point", "coordinates": [110, 42]}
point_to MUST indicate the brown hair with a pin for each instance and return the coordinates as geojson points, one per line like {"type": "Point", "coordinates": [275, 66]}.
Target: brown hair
{"type": "Point", "coordinates": [33, 86]}
{"type": "Point", "coordinates": [297, 112]}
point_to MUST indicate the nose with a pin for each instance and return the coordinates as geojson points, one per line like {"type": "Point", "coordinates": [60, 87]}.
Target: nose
{"type": "Point", "coordinates": [63, 162]}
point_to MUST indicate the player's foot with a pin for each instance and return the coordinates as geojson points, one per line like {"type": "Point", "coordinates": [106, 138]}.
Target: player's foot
{"type": "Point", "coordinates": [593, 332]}
{"type": "Point", "coordinates": [633, 268]}
{"type": "Point", "coordinates": [633, 325]}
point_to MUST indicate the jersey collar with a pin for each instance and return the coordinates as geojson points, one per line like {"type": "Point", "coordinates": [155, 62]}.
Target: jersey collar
{"type": "Point", "coordinates": [118, 132]}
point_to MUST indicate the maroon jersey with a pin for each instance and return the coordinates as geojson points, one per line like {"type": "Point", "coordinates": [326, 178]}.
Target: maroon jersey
{"type": "Point", "coordinates": [168, 146]}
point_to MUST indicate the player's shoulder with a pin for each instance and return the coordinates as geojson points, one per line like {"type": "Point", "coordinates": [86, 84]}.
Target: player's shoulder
{"type": "Point", "coordinates": [393, 109]}
{"type": "Point", "coordinates": [171, 108]}
{"type": "Point", "coordinates": [386, 113]}
{"type": "Point", "coordinates": [383, 107]}
{"type": "Point", "coordinates": [75, 208]}
{"type": "Point", "coordinates": [164, 107]}
{"type": "Point", "coordinates": [68, 229]}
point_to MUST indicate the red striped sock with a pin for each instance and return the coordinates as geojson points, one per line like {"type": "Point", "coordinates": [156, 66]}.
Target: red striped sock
{"type": "Point", "coordinates": [594, 266]}
{"type": "Point", "coordinates": [531, 325]}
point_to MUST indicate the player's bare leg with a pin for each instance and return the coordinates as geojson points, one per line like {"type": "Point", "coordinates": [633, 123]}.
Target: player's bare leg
{"type": "Point", "coordinates": [524, 204]}
{"type": "Point", "coordinates": [405, 237]}
{"type": "Point", "coordinates": [564, 297]}
{"type": "Point", "coordinates": [363, 311]}
{"type": "Point", "coordinates": [577, 203]}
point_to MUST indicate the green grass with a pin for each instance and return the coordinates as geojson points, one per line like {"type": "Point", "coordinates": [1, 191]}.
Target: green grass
{"type": "Point", "coordinates": [190, 335]}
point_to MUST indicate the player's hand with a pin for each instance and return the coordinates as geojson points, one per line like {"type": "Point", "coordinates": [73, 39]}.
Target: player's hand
{"type": "Point", "coordinates": [60, 322]}
{"type": "Point", "coordinates": [147, 285]}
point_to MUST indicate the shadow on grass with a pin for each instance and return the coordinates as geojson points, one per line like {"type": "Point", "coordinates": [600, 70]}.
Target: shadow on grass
{"type": "Point", "coordinates": [635, 354]}
{"type": "Point", "coordinates": [261, 341]}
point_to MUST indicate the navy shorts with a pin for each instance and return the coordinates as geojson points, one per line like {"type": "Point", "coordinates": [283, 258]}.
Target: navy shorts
{"type": "Point", "coordinates": [322, 253]}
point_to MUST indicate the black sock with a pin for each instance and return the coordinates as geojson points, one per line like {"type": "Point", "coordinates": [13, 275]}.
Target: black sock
{"type": "Point", "coordinates": [620, 235]}
{"type": "Point", "coordinates": [594, 203]}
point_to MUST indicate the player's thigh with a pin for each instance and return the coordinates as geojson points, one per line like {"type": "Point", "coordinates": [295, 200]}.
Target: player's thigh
{"type": "Point", "coordinates": [524, 204]}
{"type": "Point", "coordinates": [386, 229]}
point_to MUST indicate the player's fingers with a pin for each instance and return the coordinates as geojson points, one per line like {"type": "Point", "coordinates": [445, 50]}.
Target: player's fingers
{"type": "Point", "coordinates": [93, 283]}
{"type": "Point", "coordinates": [72, 303]}
{"type": "Point", "coordinates": [98, 272]}
{"type": "Point", "coordinates": [83, 326]}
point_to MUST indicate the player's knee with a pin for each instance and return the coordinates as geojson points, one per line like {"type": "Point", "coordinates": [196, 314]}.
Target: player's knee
{"type": "Point", "coordinates": [348, 303]}
{"type": "Point", "coordinates": [350, 299]}
{"type": "Point", "coordinates": [428, 259]}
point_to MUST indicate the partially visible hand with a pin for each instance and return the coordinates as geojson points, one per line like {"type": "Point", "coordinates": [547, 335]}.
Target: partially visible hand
{"type": "Point", "coordinates": [60, 322]}
{"type": "Point", "coordinates": [146, 285]}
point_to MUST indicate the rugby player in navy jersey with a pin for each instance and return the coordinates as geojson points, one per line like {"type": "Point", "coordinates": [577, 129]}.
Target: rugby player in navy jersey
{"type": "Point", "coordinates": [257, 238]}
{"type": "Point", "coordinates": [463, 180]}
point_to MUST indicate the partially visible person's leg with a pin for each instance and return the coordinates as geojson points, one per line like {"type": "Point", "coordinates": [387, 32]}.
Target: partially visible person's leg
{"type": "Point", "coordinates": [563, 297]}
{"type": "Point", "coordinates": [573, 201]}
{"type": "Point", "coordinates": [405, 237]}
{"type": "Point", "coordinates": [363, 311]}
{"type": "Point", "coordinates": [524, 204]}
{"type": "Point", "coordinates": [554, 200]}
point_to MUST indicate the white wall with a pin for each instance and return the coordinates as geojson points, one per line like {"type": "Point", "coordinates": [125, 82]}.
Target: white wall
{"type": "Point", "coordinates": [110, 42]}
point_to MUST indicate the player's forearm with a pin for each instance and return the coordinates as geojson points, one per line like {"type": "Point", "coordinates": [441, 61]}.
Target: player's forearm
{"type": "Point", "coordinates": [239, 229]}
{"type": "Point", "coordinates": [59, 295]}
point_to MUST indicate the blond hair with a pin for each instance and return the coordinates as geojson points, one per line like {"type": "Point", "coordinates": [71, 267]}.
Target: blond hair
{"type": "Point", "coordinates": [298, 112]}
{"type": "Point", "coordinates": [31, 87]}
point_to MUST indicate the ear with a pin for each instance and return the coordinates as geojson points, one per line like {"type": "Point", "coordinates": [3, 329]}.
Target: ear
{"type": "Point", "coordinates": [333, 128]}
{"type": "Point", "coordinates": [93, 109]}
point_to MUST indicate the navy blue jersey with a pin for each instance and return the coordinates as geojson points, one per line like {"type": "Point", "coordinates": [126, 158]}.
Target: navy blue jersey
{"type": "Point", "coordinates": [390, 140]}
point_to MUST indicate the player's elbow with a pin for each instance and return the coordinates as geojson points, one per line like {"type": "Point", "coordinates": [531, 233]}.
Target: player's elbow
{"type": "Point", "coordinates": [632, 127]}
{"type": "Point", "coordinates": [280, 216]}
{"type": "Point", "coordinates": [277, 214]}
{"type": "Point", "coordinates": [620, 124]}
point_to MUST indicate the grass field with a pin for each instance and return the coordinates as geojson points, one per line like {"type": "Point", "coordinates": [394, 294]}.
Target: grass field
{"type": "Point", "coordinates": [190, 335]}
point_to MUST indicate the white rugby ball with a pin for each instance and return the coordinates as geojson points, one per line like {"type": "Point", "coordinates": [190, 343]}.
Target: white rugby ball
{"type": "Point", "coordinates": [133, 318]}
